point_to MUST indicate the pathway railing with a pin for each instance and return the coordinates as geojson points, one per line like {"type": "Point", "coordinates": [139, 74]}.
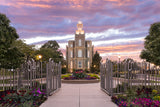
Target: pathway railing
{"type": "Point", "coordinates": [118, 77]}
{"type": "Point", "coordinates": [46, 75]}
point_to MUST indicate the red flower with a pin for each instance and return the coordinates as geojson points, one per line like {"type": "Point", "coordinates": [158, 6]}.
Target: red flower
{"type": "Point", "coordinates": [8, 92]}
{"type": "Point", "coordinates": [3, 96]}
{"type": "Point", "coordinates": [0, 98]}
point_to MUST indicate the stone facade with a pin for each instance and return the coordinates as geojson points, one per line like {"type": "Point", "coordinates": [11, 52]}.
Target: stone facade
{"type": "Point", "coordinates": [79, 52]}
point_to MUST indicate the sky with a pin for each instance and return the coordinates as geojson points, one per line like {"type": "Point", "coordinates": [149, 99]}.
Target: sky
{"type": "Point", "coordinates": [116, 27]}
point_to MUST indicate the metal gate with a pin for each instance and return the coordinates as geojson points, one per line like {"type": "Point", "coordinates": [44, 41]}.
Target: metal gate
{"type": "Point", "coordinates": [46, 75]}
{"type": "Point", "coordinates": [118, 77]}
{"type": "Point", "coordinates": [53, 76]}
{"type": "Point", "coordinates": [106, 78]}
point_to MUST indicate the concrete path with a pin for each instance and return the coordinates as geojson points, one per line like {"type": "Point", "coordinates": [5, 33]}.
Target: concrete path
{"type": "Point", "coordinates": [79, 95]}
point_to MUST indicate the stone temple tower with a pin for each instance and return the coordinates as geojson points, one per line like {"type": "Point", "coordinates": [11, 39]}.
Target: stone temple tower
{"type": "Point", "coordinates": [79, 52]}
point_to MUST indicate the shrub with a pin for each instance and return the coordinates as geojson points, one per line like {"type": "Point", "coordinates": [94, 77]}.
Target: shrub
{"type": "Point", "coordinates": [156, 98]}
{"type": "Point", "coordinates": [154, 91]}
{"type": "Point", "coordinates": [94, 75]}
{"type": "Point", "coordinates": [144, 92]}
{"type": "Point", "coordinates": [23, 97]}
{"type": "Point", "coordinates": [87, 71]}
{"type": "Point", "coordinates": [139, 102]}
{"type": "Point", "coordinates": [123, 104]}
{"type": "Point", "coordinates": [65, 76]}
{"type": "Point", "coordinates": [64, 70]}
{"type": "Point", "coordinates": [116, 74]}
{"type": "Point", "coordinates": [79, 74]}
{"type": "Point", "coordinates": [145, 102]}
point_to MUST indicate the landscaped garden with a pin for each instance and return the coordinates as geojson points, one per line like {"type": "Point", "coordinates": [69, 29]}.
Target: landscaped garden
{"type": "Point", "coordinates": [80, 75]}
{"type": "Point", "coordinates": [138, 97]}
{"type": "Point", "coordinates": [23, 97]}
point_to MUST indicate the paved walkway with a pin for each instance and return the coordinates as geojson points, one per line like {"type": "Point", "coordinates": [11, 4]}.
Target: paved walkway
{"type": "Point", "coordinates": [79, 95]}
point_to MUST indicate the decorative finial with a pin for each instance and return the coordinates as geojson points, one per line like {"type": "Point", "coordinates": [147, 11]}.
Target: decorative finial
{"type": "Point", "coordinates": [79, 22]}
{"type": "Point", "coordinates": [80, 27]}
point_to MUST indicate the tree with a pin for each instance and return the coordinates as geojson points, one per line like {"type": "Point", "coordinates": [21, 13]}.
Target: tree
{"type": "Point", "coordinates": [51, 44]}
{"type": "Point", "coordinates": [51, 50]}
{"type": "Point", "coordinates": [96, 61]}
{"type": "Point", "coordinates": [10, 57]}
{"type": "Point", "coordinates": [27, 50]}
{"type": "Point", "coordinates": [152, 45]}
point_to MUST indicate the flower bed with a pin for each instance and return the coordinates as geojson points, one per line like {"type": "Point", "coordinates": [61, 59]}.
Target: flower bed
{"type": "Point", "coordinates": [79, 75]}
{"type": "Point", "coordinates": [33, 97]}
{"type": "Point", "coordinates": [144, 97]}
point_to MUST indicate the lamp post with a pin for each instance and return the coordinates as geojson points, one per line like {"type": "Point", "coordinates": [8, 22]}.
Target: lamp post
{"type": "Point", "coordinates": [119, 57]}
{"type": "Point", "coordinates": [39, 57]}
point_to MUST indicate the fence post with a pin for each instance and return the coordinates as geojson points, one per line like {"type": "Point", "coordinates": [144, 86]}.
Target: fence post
{"type": "Point", "coordinates": [111, 76]}
{"type": "Point", "coordinates": [19, 77]}
{"type": "Point", "coordinates": [3, 70]}
{"type": "Point", "coordinates": [47, 80]}
{"type": "Point", "coordinates": [41, 74]}
{"type": "Point", "coordinates": [60, 74]}
{"type": "Point", "coordinates": [145, 73]}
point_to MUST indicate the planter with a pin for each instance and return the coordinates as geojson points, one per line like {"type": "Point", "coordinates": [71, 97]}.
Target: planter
{"type": "Point", "coordinates": [80, 81]}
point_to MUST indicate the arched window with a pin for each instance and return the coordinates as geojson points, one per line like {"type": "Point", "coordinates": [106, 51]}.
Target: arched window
{"type": "Point", "coordinates": [79, 64]}
{"type": "Point", "coordinates": [71, 54]}
{"type": "Point", "coordinates": [80, 42]}
{"type": "Point", "coordinates": [71, 64]}
{"type": "Point", "coordinates": [88, 65]}
{"type": "Point", "coordinates": [88, 54]}
{"type": "Point", "coordinates": [79, 53]}
{"type": "Point", "coordinates": [88, 44]}
{"type": "Point", "coordinates": [71, 45]}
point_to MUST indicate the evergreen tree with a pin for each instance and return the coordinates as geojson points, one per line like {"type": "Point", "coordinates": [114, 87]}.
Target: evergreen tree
{"type": "Point", "coordinates": [96, 61]}
{"type": "Point", "coordinates": [152, 45]}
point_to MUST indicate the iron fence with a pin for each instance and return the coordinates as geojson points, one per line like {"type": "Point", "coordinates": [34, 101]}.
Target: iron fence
{"type": "Point", "coordinates": [47, 75]}
{"type": "Point", "coordinates": [118, 77]}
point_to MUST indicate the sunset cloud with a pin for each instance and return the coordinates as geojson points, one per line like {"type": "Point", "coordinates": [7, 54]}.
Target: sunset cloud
{"type": "Point", "coordinates": [114, 26]}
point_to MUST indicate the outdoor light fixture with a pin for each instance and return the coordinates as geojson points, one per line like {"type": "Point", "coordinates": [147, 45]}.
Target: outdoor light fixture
{"type": "Point", "coordinates": [119, 63]}
{"type": "Point", "coordinates": [39, 57]}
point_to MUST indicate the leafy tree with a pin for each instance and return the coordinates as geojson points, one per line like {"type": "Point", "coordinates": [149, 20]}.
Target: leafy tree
{"type": "Point", "coordinates": [27, 50]}
{"type": "Point", "coordinates": [152, 45]}
{"type": "Point", "coordinates": [50, 50]}
{"type": "Point", "coordinates": [51, 44]}
{"type": "Point", "coordinates": [13, 58]}
{"type": "Point", "coordinates": [96, 61]}
{"type": "Point", "coordinates": [10, 57]}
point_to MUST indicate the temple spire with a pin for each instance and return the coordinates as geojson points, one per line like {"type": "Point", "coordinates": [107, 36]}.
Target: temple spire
{"type": "Point", "coordinates": [79, 28]}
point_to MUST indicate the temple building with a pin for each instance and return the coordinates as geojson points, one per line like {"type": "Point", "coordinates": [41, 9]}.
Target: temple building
{"type": "Point", "coordinates": [79, 52]}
